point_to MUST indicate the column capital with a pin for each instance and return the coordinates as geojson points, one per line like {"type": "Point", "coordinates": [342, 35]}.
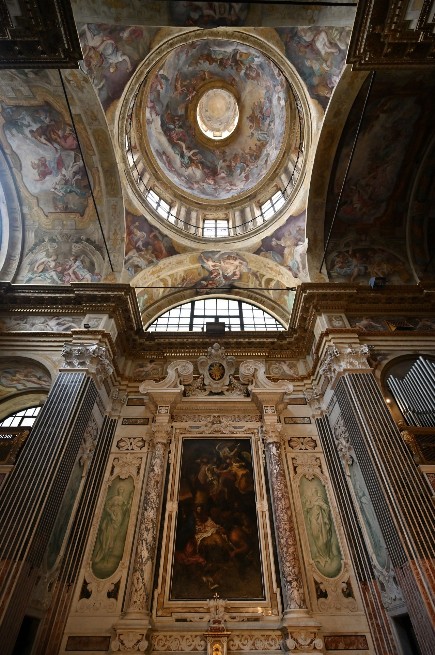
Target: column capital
{"type": "Point", "coordinates": [94, 358]}
{"type": "Point", "coordinates": [272, 433]}
{"type": "Point", "coordinates": [347, 358]}
{"type": "Point", "coordinates": [162, 433]}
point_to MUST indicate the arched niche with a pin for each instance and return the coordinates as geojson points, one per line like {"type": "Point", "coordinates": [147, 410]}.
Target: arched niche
{"type": "Point", "coordinates": [23, 382]}
{"type": "Point", "coordinates": [231, 274]}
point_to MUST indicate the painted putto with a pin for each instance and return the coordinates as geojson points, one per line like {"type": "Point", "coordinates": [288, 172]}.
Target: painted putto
{"type": "Point", "coordinates": [190, 161]}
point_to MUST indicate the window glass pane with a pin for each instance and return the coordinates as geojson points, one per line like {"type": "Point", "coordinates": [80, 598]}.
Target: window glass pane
{"type": "Point", "coordinates": [211, 309]}
{"type": "Point", "coordinates": [210, 304]}
{"type": "Point", "coordinates": [28, 421]}
{"type": "Point", "coordinates": [279, 202]}
{"type": "Point", "coordinates": [153, 198]}
{"type": "Point", "coordinates": [24, 418]}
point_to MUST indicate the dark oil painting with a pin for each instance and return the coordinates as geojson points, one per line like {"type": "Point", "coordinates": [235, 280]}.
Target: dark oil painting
{"type": "Point", "coordinates": [216, 545]}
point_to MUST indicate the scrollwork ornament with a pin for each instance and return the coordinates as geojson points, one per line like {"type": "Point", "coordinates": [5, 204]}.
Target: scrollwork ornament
{"type": "Point", "coordinates": [118, 399]}
{"type": "Point", "coordinates": [302, 443]}
{"type": "Point", "coordinates": [253, 373]}
{"type": "Point", "coordinates": [161, 433]}
{"type": "Point", "coordinates": [131, 443]}
{"type": "Point", "coordinates": [217, 418]}
{"type": "Point", "coordinates": [261, 641]}
{"type": "Point", "coordinates": [349, 358]}
{"type": "Point", "coordinates": [129, 641]}
{"type": "Point", "coordinates": [178, 373]}
{"type": "Point", "coordinates": [124, 466]}
{"type": "Point", "coordinates": [184, 642]}
{"type": "Point", "coordinates": [314, 396]}
{"type": "Point", "coordinates": [301, 640]}
{"type": "Point", "coordinates": [272, 433]}
{"type": "Point", "coordinates": [87, 447]}
{"type": "Point", "coordinates": [309, 465]}
{"type": "Point", "coordinates": [140, 596]}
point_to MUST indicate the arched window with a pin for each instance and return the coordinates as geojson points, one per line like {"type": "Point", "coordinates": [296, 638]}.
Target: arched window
{"type": "Point", "coordinates": [195, 315]}
{"type": "Point", "coordinates": [24, 419]}
{"type": "Point", "coordinates": [14, 431]}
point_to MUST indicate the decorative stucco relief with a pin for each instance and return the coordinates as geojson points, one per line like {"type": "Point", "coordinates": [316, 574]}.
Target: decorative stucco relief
{"type": "Point", "coordinates": [93, 357]}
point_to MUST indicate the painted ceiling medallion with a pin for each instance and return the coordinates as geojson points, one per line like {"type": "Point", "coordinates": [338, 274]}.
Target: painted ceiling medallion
{"type": "Point", "coordinates": [217, 114]}
{"type": "Point", "coordinates": [218, 85]}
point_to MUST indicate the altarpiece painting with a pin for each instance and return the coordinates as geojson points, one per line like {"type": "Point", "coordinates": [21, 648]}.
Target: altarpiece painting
{"type": "Point", "coordinates": [216, 539]}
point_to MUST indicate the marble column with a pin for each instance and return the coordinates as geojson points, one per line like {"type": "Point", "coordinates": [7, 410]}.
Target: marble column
{"type": "Point", "coordinates": [143, 569]}
{"type": "Point", "coordinates": [131, 632]}
{"type": "Point", "coordinates": [32, 494]}
{"type": "Point", "coordinates": [290, 568]}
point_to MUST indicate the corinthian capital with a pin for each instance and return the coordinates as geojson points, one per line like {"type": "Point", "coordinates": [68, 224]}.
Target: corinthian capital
{"type": "Point", "coordinates": [92, 357]}
{"type": "Point", "coordinates": [348, 358]}
{"type": "Point", "coordinates": [161, 433]}
{"type": "Point", "coordinates": [272, 433]}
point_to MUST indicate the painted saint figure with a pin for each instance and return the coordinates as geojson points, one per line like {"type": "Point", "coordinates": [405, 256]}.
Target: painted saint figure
{"type": "Point", "coordinates": [114, 512]}
{"type": "Point", "coordinates": [320, 524]}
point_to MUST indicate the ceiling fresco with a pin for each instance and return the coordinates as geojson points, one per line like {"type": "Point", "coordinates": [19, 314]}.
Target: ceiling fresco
{"type": "Point", "coordinates": [287, 246]}
{"type": "Point", "coordinates": [319, 55]}
{"type": "Point", "coordinates": [111, 54]}
{"type": "Point", "coordinates": [180, 13]}
{"type": "Point", "coordinates": [19, 375]}
{"type": "Point", "coordinates": [186, 276]}
{"type": "Point", "coordinates": [208, 14]}
{"type": "Point", "coordinates": [50, 161]}
{"type": "Point", "coordinates": [421, 218]}
{"type": "Point", "coordinates": [202, 169]}
{"type": "Point", "coordinates": [384, 224]}
{"type": "Point", "coordinates": [61, 240]}
{"type": "Point", "coordinates": [145, 244]}
{"type": "Point", "coordinates": [368, 236]}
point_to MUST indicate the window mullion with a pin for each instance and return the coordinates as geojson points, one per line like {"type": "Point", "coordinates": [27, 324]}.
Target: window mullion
{"type": "Point", "coordinates": [242, 322]}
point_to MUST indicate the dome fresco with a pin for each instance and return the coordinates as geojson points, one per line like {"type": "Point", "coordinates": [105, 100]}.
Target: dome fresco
{"type": "Point", "coordinates": [196, 164]}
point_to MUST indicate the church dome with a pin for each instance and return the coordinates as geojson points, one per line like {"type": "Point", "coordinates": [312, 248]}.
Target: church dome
{"type": "Point", "coordinates": [215, 124]}
{"type": "Point", "coordinates": [213, 81]}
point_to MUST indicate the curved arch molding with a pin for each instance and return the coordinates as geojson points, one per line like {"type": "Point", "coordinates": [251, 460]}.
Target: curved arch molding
{"type": "Point", "coordinates": [246, 276]}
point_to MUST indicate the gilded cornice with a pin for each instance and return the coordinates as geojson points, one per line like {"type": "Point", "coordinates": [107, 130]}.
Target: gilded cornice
{"type": "Point", "coordinates": [312, 300]}
{"type": "Point", "coordinates": [391, 34]}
